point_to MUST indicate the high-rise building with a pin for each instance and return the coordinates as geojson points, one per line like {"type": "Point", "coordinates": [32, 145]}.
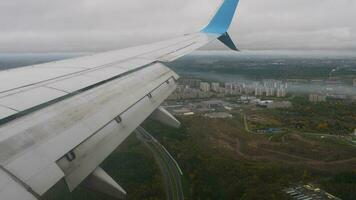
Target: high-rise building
{"type": "Point", "coordinates": [259, 91]}
{"type": "Point", "coordinates": [205, 87]}
{"type": "Point", "coordinates": [269, 92]}
{"type": "Point", "coordinates": [281, 92]}
{"type": "Point", "coordinates": [215, 87]}
{"type": "Point", "coordinates": [192, 83]}
{"type": "Point", "coordinates": [222, 90]}
{"type": "Point", "coordinates": [229, 88]}
{"type": "Point", "coordinates": [233, 88]}
{"type": "Point", "coordinates": [354, 82]}
{"type": "Point", "coordinates": [249, 90]}
{"type": "Point", "coordinates": [271, 83]}
{"type": "Point", "coordinates": [238, 88]}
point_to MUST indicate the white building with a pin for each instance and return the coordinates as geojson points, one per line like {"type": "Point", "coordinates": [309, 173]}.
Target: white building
{"type": "Point", "coordinates": [249, 90]}
{"type": "Point", "coordinates": [269, 92]}
{"type": "Point", "coordinates": [221, 90]}
{"type": "Point", "coordinates": [281, 92]}
{"type": "Point", "coordinates": [233, 88]}
{"type": "Point", "coordinates": [286, 85]}
{"type": "Point", "coordinates": [229, 88]}
{"type": "Point", "coordinates": [264, 103]}
{"type": "Point", "coordinates": [215, 87]}
{"type": "Point", "coordinates": [238, 88]}
{"type": "Point", "coordinates": [259, 91]}
{"type": "Point", "coordinates": [205, 87]}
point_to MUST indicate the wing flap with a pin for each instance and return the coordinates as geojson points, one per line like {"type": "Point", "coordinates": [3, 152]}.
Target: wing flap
{"type": "Point", "coordinates": [44, 137]}
{"type": "Point", "coordinates": [10, 189]}
{"type": "Point", "coordinates": [93, 151]}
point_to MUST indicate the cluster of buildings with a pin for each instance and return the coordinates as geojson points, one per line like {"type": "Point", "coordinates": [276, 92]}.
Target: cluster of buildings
{"type": "Point", "coordinates": [186, 92]}
{"type": "Point", "coordinates": [195, 88]}
{"type": "Point", "coordinates": [268, 88]}
{"type": "Point", "coordinates": [318, 90]}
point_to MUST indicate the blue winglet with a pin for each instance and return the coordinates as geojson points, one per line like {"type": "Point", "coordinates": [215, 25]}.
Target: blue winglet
{"type": "Point", "coordinates": [223, 18]}
{"type": "Point", "coordinates": [226, 39]}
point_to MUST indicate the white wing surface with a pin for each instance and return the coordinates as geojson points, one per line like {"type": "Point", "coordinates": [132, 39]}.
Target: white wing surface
{"type": "Point", "coordinates": [62, 119]}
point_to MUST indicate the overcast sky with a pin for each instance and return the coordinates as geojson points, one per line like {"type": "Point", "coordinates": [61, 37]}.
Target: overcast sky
{"type": "Point", "coordinates": [98, 25]}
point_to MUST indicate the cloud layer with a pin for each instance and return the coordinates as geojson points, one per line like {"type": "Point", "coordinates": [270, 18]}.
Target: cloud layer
{"type": "Point", "coordinates": [93, 25]}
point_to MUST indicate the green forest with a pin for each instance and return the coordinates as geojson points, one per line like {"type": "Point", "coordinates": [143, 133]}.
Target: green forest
{"type": "Point", "coordinates": [212, 167]}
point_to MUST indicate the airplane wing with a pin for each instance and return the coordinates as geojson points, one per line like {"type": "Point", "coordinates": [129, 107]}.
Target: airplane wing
{"type": "Point", "coordinates": [63, 119]}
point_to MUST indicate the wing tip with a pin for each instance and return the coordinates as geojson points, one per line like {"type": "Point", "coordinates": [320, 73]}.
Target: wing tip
{"type": "Point", "coordinates": [222, 20]}
{"type": "Point", "coordinates": [226, 39]}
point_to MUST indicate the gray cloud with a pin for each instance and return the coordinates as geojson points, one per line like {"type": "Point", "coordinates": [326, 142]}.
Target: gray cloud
{"type": "Point", "coordinates": [93, 25]}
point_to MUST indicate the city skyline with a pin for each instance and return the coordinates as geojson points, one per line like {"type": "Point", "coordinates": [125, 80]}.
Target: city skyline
{"type": "Point", "coordinates": [190, 88]}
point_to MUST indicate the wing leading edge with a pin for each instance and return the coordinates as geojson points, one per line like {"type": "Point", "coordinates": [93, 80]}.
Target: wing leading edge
{"type": "Point", "coordinates": [62, 119]}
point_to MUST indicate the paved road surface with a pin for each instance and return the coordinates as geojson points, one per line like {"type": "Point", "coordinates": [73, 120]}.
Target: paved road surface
{"type": "Point", "coordinates": [169, 167]}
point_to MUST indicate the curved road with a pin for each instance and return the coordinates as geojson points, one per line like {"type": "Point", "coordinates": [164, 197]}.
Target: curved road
{"type": "Point", "coordinates": [169, 167]}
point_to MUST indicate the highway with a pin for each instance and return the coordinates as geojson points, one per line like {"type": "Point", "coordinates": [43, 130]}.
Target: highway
{"type": "Point", "coordinates": [169, 167]}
